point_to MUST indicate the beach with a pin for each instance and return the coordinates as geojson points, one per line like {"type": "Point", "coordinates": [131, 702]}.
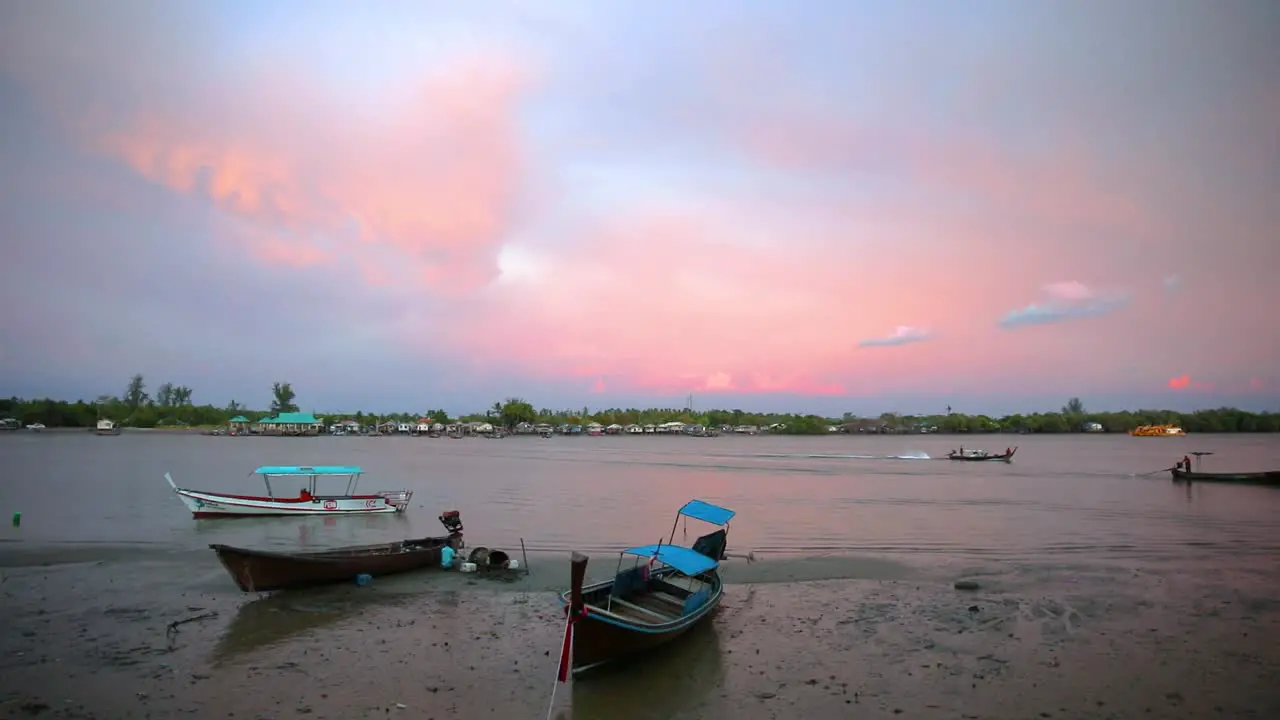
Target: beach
{"type": "Point", "coordinates": [1098, 594]}
{"type": "Point", "coordinates": [1047, 642]}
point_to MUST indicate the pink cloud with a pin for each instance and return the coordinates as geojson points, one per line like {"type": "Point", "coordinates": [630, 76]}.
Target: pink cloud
{"type": "Point", "coordinates": [902, 335]}
{"type": "Point", "coordinates": [1257, 385]}
{"type": "Point", "coordinates": [436, 179]}
{"type": "Point", "coordinates": [1067, 301]}
{"type": "Point", "coordinates": [1186, 382]}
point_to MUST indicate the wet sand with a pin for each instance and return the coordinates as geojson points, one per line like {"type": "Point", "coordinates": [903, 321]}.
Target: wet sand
{"type": "Point", "coordinates": [886, 640]}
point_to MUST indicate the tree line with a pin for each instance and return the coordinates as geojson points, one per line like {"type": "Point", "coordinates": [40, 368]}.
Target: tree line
{"type": "Point", "coordinates": [172, 406]}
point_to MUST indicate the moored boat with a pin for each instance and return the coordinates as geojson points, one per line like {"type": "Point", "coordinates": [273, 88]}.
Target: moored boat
{"type": "Point", "coordinates": [265, 571]}
{"type": "Point", "coordinates": [668, 590]}
{"type": "Point", "coordinates": [981, 455]}
{"type": "Point", "coordinates": [107, 427]}
{"type": "Point", "coordinates": [36, 427]}
{"type": "Point", "coordinates": [205, 504]}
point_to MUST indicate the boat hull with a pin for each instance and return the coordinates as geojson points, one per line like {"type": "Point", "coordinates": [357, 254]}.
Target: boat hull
{"type": "Point", "coordinates": [1271, 477]}
{"type": "Point", "coordinates": [260, 571]}
{"type": "Point", "coordinates": [602, 637]}
{"type": "Point", "coordinates": [214, 505]}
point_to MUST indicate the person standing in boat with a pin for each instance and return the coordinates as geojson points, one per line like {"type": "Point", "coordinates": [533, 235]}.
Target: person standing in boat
{"type": "Point", "coordinates": [1186, 462]}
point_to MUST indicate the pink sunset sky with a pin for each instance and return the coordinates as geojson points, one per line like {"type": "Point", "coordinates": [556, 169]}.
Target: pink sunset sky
{"type": "Point", "coordinates": [823, 206]}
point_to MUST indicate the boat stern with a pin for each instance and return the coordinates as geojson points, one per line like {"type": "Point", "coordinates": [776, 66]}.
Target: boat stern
{"type": "Point", "coordinates": [398, 499]}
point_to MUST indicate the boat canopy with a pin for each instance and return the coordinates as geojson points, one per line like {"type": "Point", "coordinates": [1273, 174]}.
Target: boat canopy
{"type": "Point", "coordinates": [706, 512]}
{"type": "Point", "coordinates": [308, 470]}
{"type": "Point", "coordinates": [690, 562]}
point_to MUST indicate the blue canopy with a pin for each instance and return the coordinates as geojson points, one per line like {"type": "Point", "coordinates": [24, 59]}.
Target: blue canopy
{"type": "Point", "coordinates": [706, 512]}
{"type": "Point", "coordinates": [689, 562]}
{"type": "Point", "coordinates": [308, 470]}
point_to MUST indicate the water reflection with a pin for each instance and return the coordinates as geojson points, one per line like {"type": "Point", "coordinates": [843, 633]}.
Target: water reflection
{"type": "Point", "coordinates": [666, 682]}
{"type": "Point", "coordinates": [276, 618]}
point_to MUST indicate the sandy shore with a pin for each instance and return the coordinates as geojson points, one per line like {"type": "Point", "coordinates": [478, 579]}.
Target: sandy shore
{"type": "Point", "coordinates": [84, 641]}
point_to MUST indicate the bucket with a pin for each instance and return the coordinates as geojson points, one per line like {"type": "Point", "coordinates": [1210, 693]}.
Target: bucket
{"type": "Point", "coordinates": [363, 579]}
{"type": "Point", "coordinates": [467, 567]}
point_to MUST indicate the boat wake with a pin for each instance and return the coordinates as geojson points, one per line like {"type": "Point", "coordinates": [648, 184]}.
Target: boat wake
{"type": "Point", "coordinates": [820, 456]}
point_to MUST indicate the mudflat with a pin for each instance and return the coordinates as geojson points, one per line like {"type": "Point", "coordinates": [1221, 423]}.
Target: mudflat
{"type": "Point", "coordinates": [885, 640]}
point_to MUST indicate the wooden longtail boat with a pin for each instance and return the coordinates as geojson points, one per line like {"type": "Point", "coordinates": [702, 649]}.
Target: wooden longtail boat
{"type": "Point", "coordinates": [649, 604]}
{"type": "Point", "coordinates": [265, 571]}
{"type": "Point", "coordinates": [205, 504]}
{"type": "Point", "coordinates": [981, 455]}
{"type": "Point", "coordinates": [1268, 477]}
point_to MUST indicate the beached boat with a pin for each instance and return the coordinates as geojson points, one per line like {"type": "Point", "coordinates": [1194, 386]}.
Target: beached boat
{"type": "Point", "coordinates": [307, 502]}
{"type": "Point", "coordinates": [263, 571]}
{"type": "Point", "coordinates": [1158, 431]}
{"type": "Point", "coordinates": [667, 591]}
{"type": "Point", "coordinates": [1267, 477]}
{"type": "Point", "coordinates": [981, 455]}
{"type": "Point", "coordinates": [107, 427]}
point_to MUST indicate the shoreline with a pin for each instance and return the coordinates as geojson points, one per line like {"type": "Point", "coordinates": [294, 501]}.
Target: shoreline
{"type": "Point", "coordinates": [1029, 643]}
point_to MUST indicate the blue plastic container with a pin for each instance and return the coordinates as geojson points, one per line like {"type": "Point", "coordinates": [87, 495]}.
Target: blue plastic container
{"type": "Point", "coordinates": [364, 579]}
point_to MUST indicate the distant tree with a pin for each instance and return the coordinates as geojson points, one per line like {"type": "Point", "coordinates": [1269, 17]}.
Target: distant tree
{"type": "Point", "coordinates": [1074, 408]}
{"type": "Point", "coordinates": [135, 394]}
{"type": "Point", "coordinates": [164, 395]}
{"type": "Point", "coordinates": [234, 408]}
{"type": "Point", "coordinates": [283, 397]}
{"type": "Point", "coordinates": [515, 411]}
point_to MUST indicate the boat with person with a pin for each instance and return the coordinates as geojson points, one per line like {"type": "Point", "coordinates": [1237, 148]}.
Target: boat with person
{"type": "Point", "coordinates": [308, 501]}
{"type": "Point", "coordinates": [1182, 471]}
{"type": "Point", "coordinates": [107, 427]}
{"type": "Point", "coordinates": [266, 571]}
{"type": "Point", "coordinates": [668, 590]}
{"type": "Point", "coordinates": [982, 455]}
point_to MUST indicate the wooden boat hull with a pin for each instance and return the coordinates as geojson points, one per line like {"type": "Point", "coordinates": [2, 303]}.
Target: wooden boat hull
{"type": "Point", "coordinates": [262, 571]}
{"type": "Point", "coordinates": [1270, 477]}
{"type": "Point", "coordinates": [604, 637]}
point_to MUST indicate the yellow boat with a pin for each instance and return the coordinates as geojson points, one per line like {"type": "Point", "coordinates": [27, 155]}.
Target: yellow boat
{"type": "Point", "coordinates": [1157, 431]}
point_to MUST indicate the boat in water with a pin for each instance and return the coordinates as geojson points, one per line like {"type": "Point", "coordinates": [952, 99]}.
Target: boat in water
{"type": "Point", "coordinates": [36, 427]}
{"type": "Point", "coordinates": [308, 501]}
{"type": "Point", "coordinates": [668, 590]}
{"type": "Point", "coordinates": [107, 427]}
{"type": "Point", "coordinates": [1266, 477]}
{"type": "Point", "coordinates": [1158, 431]}
{"type": "Point", "coordinates": [981, 455]}
{"type": "Point", "coordinates": [265, 571]}
{"type": "Point", "coordinates": [1182, 471]}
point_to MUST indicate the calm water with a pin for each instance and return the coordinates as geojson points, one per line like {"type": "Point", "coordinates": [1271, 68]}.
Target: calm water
{"type": "Point", "coordinates": [1064, 497]}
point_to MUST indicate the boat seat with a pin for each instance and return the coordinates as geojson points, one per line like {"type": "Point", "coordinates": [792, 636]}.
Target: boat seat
{"type": "Point", "coordinates": [641, 608]}
{"type": "Point", "coordinates": [667, 597]}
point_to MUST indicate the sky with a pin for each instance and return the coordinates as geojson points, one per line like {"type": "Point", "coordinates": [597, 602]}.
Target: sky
{"type": "Point", "coordinates": [827, 207]}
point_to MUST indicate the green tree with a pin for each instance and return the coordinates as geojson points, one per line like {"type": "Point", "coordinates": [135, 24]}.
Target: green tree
{"type": "Point", "coordinates": [135, 393]}
{"type": "Point", "coordinates": [282, 398]}
{"type": "Point", "coordinates": [514, 411]}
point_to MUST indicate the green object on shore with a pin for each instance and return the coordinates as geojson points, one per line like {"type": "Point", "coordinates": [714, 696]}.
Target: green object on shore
{"type": "Point", "coordinates": [17, 519]}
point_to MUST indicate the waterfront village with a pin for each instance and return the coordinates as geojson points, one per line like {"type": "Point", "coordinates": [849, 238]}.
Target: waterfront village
{"type": "Point", "coordinates": [300, 423]}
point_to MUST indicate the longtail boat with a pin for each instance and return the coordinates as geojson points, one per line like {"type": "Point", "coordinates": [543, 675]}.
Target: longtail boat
{"type": "Point", "coordinates": [668, 590]}
{"type": "Point", "coordinates": [1267, 477]}
{"type": "Point", "coordinates": [308, 501]}
{"type": "Point", "coordinates": [265, 571]}
{"type": "Point", "coordinates": [981, 455]}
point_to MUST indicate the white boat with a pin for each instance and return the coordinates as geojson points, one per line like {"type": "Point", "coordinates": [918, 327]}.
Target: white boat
{"type": "Point", "coordinates": [107, 427]}
{"type": "Point", "coordinates": [35, 427]}
{"type": "Point", "coordinates": [307, 502]}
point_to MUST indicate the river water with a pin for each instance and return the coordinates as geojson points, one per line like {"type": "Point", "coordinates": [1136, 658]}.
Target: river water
{"type": "Point", "coordinates": [1063, 497]}
{"type": "Point", "coordinates": [1077, 532]}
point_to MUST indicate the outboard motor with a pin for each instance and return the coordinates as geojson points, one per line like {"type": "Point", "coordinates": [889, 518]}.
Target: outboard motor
{"type": "Point", "coordinates": [452, 521]}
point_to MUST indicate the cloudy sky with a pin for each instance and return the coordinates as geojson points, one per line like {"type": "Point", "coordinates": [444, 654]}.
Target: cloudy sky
{"type": "Point", "coordinates": [829, 206]}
